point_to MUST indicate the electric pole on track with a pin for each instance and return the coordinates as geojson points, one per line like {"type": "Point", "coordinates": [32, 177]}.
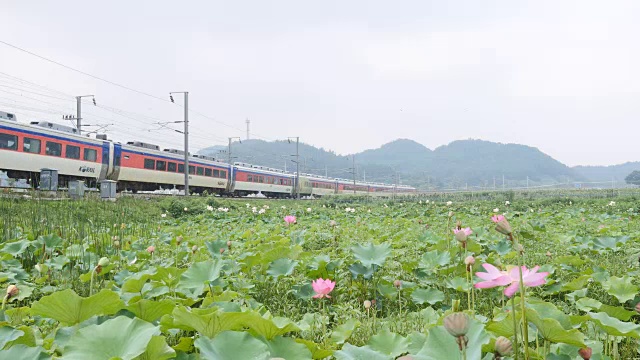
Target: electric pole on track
{"type": "Point", "coordinates": [186, 137]}
{"type": "Point", "coordinates": [78, 117]}
{"type": "Point", "coordinates": [297, 184]}
{"type": "Point", "coordinates": [229, 150]}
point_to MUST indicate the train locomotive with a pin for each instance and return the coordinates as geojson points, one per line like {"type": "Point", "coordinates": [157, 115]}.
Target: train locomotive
{"type": "Point", "coordinates": [25, 149]}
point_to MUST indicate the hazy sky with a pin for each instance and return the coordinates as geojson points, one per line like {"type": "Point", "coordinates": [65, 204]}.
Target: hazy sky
{"type": "Point", "coordinates": [563, 76]}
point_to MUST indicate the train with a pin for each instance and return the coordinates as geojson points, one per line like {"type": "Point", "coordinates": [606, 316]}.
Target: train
{"type": "Point", "coordinates": [26, 149]}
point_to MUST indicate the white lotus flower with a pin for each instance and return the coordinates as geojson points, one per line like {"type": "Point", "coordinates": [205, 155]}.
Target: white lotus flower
{"type": "Point", "coordinates": [613, 203]}
{"type": "Point", "coordinates": [420, 202]}
{"type": "Point", "coordinates": [186, 209]}
{"type": "Point", "coordinates": [265, 207]}
{"type": "Point", "coordinates": [262, 211]}
{"type": "Point", "coordinates": [248, 205]}
{"type": "Point", "coordinates": [427, 201]}
{"type": "Point", "coordinates": [254, 209]}
{"type": "Point", "coordinates": [283, 207]}
{"type": "Point", "coordinates": [163, 215]}
{"type": "Point", "coordinates": [507, 203]}
{"type": "Point", "coordinates": [209, 208]}
{"type": "Point", "coordinates": [449, 203]}
{"type": "Point", "coordinates": [496, 210]}
{"type": "Point", "coordinates": [308, 209]}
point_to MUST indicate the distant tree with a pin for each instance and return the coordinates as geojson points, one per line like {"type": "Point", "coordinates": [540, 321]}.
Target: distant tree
{"type": "Point", "coordinates": [633, 178]}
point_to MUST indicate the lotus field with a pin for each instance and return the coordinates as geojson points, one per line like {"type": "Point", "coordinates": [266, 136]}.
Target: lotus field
{"type": "Point", "coordinates": [416, 278]}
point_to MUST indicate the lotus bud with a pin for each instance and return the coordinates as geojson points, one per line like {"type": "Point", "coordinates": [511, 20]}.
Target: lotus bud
{"type": "Point", "coordinates": [194, 248]}
{"type": "Point", "coordinates": [457, 324]}
{"type": "Point", "coordinates": [502, 225]}
{"type": "Point", "coordinates": [115, 238]}
{"type": "Point", "coordinates": [469, 261]}
{"type": "Point", "coordinates": [450, 213]}
{"type": "Point", "coordinates": [333, 223]}
{"type": "Point", "coordinates": [503, 346]}
{"type": "Point", "coordinates": [398, 284]}
{"type": "Point", "coordinates": [151, 249]}
{"type": "Point", "coordinates": [229, 244]}
{"type": "Point", "coordinates": [38, 268]}
{"type": "Point", "coordinates": [585, 353]}
{"type": "Point", "coordinates": [221, 251]}
{"type": "Point", "coordinates": [104, 262]}
{"type": "Point", "coordinates": [12, 291]}
{"type": "Point", "coordinates": [638, 307]}
{"type": "Point", "coordinates": [549, 255]}
{"type": "Point", "coordinates": [179, 240]}
{"type": "Point", "coordinates": [461, 236]}
{"type": "Point", "coordinates": [116, 243]}
{"type": "Point", "coordinates": [458, 224]}
{"type": "Point", "coordinates": [406, 357]}
{"type": "Point", "coordinates": [367, 304]}
{"type": "Point", "coordinates": [519, 248]}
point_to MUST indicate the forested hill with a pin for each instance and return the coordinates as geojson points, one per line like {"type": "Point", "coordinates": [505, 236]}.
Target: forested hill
{"type": "Point", "coordinates": [458, 164]}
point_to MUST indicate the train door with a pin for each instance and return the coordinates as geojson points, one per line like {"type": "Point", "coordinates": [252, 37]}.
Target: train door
{"type": "Point", "coordinates": [231, 184]}
{"type": "Point", "coordinates": [106, 166]}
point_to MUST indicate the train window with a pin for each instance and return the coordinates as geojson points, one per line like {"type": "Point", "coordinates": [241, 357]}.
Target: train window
{"type": "Point", "coordinates": [149, 164]}
{"type": "Point", "coordinates": [171, 166]}
{"type": "Point", "coordinates": [249, 178]}
{"type": "Point", "coordinates": [53, 148]}
{"type": "Point", "coordinates": [9, 142]}
{"type": "Point", "coordinates": [192, 170]}
{"type": "Point", "coordinates": [161, 165]}
{"type": "Point", "coordinates": [207, 172]}
{"type": "Point", "coordinates": [216, 173]}
{"type": "Point", "coordinates": [73, 152]}
{"type": "Point", "coordinates": [200, 170]}
{"type": "Point", "coordinates": [223, 174]}
{"type": "Point", "coordinates": [31, 145]}
{"type": "Point", "coordinates": [181, 168]}
{"type": "Point", "coordinates": [90, 155]}
{"type": "Point", "coordinates": [260, 179]}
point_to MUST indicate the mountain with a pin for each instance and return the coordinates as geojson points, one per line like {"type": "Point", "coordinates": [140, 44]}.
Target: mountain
{"type": "Point", "coordinates": [616, 173]}
{"type": "Point", "coordinates": [463, 163]}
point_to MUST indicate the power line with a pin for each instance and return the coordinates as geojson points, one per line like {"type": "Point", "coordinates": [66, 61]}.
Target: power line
{"type": "Point", "coordinates": [119, 85]}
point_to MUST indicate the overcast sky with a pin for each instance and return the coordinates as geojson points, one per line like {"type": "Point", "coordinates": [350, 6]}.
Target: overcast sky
{"type": "Point", "coordinates": [563, 76]}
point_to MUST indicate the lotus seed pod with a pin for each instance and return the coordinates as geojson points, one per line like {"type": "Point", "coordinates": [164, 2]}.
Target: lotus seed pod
{"type": "Point", "coordinates": [229, 244]}
{"type": "Point", "coordinates": [116, 243]}
{"type": "Point", "coordinates": [12, 291]}
{"type": "Point", "coordinates": [367, 304]}
{"type": "Point", "coordinates": [221, 250]}
{"type": "Point", "coordinates": [638, 307]}
{"type": "Point", "coordinates": [104, 262]}
{"type": "Point", "coordinates": [397, 284]}
{"type": "Point", "coordinates": [585, 353]}
{"type": "Point", "coordinates": [333, 223]}
{"type": "Point", "coordinates": [461, 236]}
{"type": "Point", "coordinates": [179, 240]}
{"type": "Point", "coordinates": [406, 357]}
{"type": "Point", "coordinates": [503, 226]}
{"type": "Point", "coordinates": [457, 324]}
{"type": "Point", "coordinates": [519, 248]}
{"type": "Point", "coordinates": [503, 346]}
{"type": "Point", "coordinates": [458, 224]}
{"type": "Point", "coordinates": [194, 248]}
{"type": "Point", "coordinates": [469, 260]}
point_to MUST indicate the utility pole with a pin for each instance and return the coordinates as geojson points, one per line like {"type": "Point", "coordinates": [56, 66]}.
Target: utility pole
{"type": "Point", "coordinates": [186, 138]}
{"type": "Point", "coordinates": [527, 182]}
{"type": "Point", "coordinates": [494, 182]}
{"type": "Point", "coordinates": [364, 175]}
{"type": "Point", "coordinates": [78, 117]}
{"type": "Point", "coordinates": [297, 190]}
{"type": "Point", "coordinates": [502, 181]}
{"type": "Point", "coordinates": [229, 150]}
{"type": "Point", "coordinates": [248, 122]}
{"type": "Point", "coordinates": [354, 174]}
{"type": "Point", "coordinates": [326, 171]}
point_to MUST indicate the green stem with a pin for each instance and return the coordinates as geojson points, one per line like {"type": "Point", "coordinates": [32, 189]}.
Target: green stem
{"type": "Point", "coordinates": [525, 324]}
{"type": "Point", "coordinates": [4, 302]}
{"type": "Point", "coordinates": [515, 328]}
{"type": "Point", "coordinates": [91, 284]}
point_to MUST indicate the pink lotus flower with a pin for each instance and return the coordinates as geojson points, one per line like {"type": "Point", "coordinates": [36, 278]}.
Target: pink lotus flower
{"type": "Point", "coordinates": [497, 218]}
{"type": "Point", "coordinates": [151, 249]}
{"type": "Point", "coordinates": [530, 277]}
{"type": "Point", "coordinates": [465, 231]}
{"type": "Point", "coordinates": [290, 219]}
{"type": "Point", "coordinates": [322, 288]}
{"type": "Point", "coordinates": [494, 278]}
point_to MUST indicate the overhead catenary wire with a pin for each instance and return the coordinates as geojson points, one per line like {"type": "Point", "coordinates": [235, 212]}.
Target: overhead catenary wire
{"type": "Point", "coordinates": [122, 86]}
